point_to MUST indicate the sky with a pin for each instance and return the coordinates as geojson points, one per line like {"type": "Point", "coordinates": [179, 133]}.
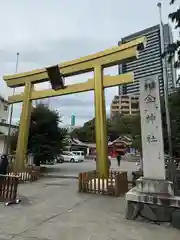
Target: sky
{"type": "Point", "coordinates": [48, 32]}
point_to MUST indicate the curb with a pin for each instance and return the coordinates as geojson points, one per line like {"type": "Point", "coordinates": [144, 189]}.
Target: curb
{"type": "Point", "coordinates": [58, 176]}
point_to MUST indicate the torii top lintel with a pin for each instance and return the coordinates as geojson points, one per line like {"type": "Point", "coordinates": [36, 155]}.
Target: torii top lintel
{"type": "Point", "coordinates": [109, 57]}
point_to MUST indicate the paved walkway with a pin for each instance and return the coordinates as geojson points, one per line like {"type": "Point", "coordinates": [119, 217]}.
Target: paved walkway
{"type": "Point", "coordinates": [72, 170]}
{"type": "Point", "coordinates": [51, 209]}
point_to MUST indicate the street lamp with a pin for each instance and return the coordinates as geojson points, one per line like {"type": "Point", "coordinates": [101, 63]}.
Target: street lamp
{"type": "Point", "coordinates": [166, 101]}
{"type": "Point", "coordinates": [11, 112]}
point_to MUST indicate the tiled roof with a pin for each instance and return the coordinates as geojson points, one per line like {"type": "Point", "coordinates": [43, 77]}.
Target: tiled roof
{"type": "Point", "coordinates": [124, 139]}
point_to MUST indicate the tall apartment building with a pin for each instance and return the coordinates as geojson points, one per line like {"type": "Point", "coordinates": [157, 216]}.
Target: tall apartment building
{"type": "Point", "coordinates": [125, 104]}
{"type": "Point", "coordinates": [3, 123]}
{"type": "Point", "coordinates": [3, 110]}
{"type": "Point", "coordinates": [149, 61]}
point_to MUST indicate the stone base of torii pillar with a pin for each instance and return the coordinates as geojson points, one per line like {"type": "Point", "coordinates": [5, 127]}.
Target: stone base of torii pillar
{"type": "Point", "coordinates": [152, 199]}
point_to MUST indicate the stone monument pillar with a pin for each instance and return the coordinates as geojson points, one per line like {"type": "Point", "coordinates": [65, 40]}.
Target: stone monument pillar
{"type": "Point", "coordinates": [151, 129]}
{"type": "Point", "coordinates": [152, 188]}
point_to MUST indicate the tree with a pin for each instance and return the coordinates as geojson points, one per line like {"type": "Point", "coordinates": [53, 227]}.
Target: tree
{"type": "Point", "coordinates": [46, 139]}
{"type": "Point", "coordinates": [128, 125]}
{"type": "Point", "coordinates": [136, 132]}
{"type": "Point", "coordinates": [117, 126]}
{"type": "Point", "coordinates": [174, 106]}
{"type": "Point", "coordinates": [173, 51]}
{"type": "Point", "coordinates": [174, 109]}
{"type": "Point", "coordinates": [85, 133]}
{"type": "Point", "coordinates": [174, 48]}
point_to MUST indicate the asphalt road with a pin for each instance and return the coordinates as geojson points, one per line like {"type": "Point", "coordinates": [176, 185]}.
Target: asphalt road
{"type": "Point", "coordinates": [73, 169]}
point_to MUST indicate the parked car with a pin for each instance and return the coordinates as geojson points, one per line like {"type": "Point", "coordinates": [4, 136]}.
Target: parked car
{"type": "Point", "coordinates": [59, 159]}
{"type": "Point", "coordinates": [70, 157]}
{"type": "Point", "coordinates": [80, 155]}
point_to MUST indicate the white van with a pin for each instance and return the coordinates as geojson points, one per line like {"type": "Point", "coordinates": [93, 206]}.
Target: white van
{"type": "Point", "coordinates": [79, 154]}
{"type": "Point", "coordinates": [70, 157]}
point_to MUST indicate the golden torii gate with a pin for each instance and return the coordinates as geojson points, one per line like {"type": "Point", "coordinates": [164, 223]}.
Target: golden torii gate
{"type": "Point", "coordinates": [94, 62]}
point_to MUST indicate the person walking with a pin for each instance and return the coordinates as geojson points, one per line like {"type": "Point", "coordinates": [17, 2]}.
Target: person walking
{"type": "Point", "coordinates": [109, 161]}
{"type": "Point", "coordinates": [4, 164]}
{"type": "Point", "coordinates": [118, 159]}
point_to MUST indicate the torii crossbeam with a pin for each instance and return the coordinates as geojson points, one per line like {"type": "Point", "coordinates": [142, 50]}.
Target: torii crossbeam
{"type": "Point", "coordinates": [96, 63]}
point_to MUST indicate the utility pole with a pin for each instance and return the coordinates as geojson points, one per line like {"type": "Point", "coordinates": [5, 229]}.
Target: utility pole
{"type": "Point", "coordinates": [166, 100]}
{"type": "Point", "coordinates": [11, 112]}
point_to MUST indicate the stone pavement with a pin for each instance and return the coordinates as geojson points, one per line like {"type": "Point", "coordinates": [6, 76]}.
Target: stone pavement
{"type": "Point", "coordinates": [71, 170]}
{"type": "Point", "coordinates": [51, 209]}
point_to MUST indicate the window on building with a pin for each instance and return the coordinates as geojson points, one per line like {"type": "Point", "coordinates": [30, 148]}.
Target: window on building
{"type": "Point", "coordinates": [3, 120]}
{"type": "Point", "coordinates": [124, 102]}
{"type": "Point", "coordinates": [135, 98]}
{"type": "Point", "coordinates": [115, 107]}
{"type": "Point", "coordinates": [125, 111]}
{"type": "Point", "coordinates": [115, 102]}
{"type": "Point", "coordinates": [5, 108]}
{"type": "Point", "coordinates": [124, 107]}
{"type": "Point", "coordinates": [135, 105]}
{"type": "Point", "coordinates": [125, 97]}
{"type": "Point", "coordinates": [116, 98]}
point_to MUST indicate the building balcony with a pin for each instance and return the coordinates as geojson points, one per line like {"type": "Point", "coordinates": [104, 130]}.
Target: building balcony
{"type": "Point", "coordinates": [115, 102]}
